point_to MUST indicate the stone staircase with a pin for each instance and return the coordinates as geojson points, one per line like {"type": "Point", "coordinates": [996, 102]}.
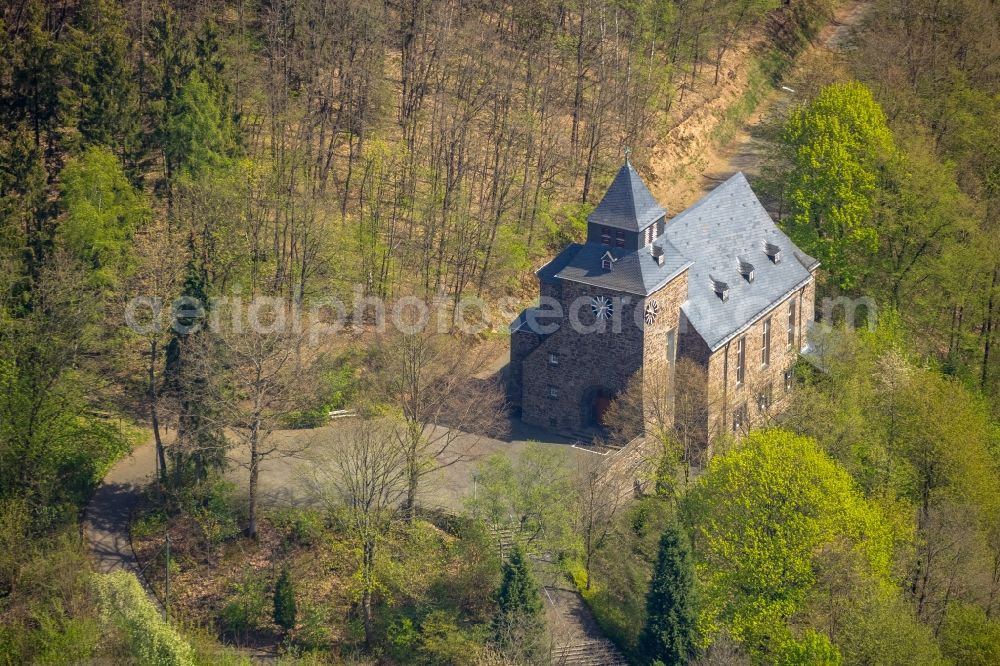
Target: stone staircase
{"type": "Point", "coordinates": [589, 653]}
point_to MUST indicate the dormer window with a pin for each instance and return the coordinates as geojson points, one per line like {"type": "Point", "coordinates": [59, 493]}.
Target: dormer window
{"type": "Point", "coordinates": [746, 269]}
{"type": "Point", "coordinates": [607, 261]}
{"type": "Point", "coordinates": [773, 252]}
{"type": "Point", "coordinates": [720, 288]}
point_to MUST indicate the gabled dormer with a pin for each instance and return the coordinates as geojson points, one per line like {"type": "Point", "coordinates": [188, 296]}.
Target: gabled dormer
{"type": "Point", "coordinates": [628, 217]}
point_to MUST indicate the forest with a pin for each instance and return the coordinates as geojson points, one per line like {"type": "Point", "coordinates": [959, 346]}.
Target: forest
{"type": "Point", "coordinates": [172, 169]}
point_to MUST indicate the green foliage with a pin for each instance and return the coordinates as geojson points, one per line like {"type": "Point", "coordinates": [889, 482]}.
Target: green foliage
{"type": "Point", "coordinates": [102, 213]}
{"type": "Point", "coordinates": [814, 649]}
{"type": "Point", "coordinates": [531, 497]}
{"type": "Point", "coordinates": [621, 575]}
{"type": "Point", "coordinates": [835, 146]}
{"type": "Point", "coordinates": [519, 594]}
{"type": "Point", "coordinates": [125, 606]}
{"type": "Point", "coordinates": [443, 641]}
{"type": "Point", "coordinates": [338, 386]}
{"type": "Point", "coordinates": [106, 90]}
{"type": "Point", "coordinates": [878, 626]}
{"type": "Point", "coordinates": [284, 600]}
{"type": "Point", "coordinates": [199, 135]}
{"type": "Point", "coordinates": [670, 634]}
{"type": "Point", "coordinates": [968, 637]}
{"type": "Point", "coordinates": [304, 527]}
{"type": "Point", "coordinates": [760, 515]}
{"type": "Point", "coordinates": [53, 449]}
{"type": "Point", "coordinates": [246, 607]}
{"type": "Point", "coordinates": [520, 618]}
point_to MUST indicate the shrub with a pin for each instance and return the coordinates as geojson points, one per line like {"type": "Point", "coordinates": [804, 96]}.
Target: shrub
{"type": "Point", "coordinates": [303, 526]}
{"type": "Point", "coordinates": [247, 607]}
{"type": "Point", "coordinates": [284, 600]}
{"type": "Point", "coordinates": [124, 605]}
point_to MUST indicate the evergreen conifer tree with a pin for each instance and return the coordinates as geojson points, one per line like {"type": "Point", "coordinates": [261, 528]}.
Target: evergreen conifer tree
{"type": "Point", "coordinates": [284, 600]}
{"type": "Point", "coordinates": [669, 635]}
{"type": "Point", "coordinates": [519, 623]}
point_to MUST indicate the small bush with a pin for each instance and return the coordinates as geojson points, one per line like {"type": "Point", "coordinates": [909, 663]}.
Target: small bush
{"type": "Point", "coordinates": [284, 600]}
{"type": "Point", "coordinates": [246, 609]}
{"type": "Point", "coordinates": [149, 524]}
{"type": "Point", "coordinates": [313, 632]}
{"type": "Point", "coordinates": [303, 526]}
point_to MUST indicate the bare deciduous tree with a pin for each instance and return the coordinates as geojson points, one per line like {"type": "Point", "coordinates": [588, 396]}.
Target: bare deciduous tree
{"type": "Point", "coordinates": [264, 385]}
{"type": "Point", "coordinates": [363, 485]}
{"type": "Point", "coordinates": [430, 378]}
{"type": "Point", "coordinates": [155, 280]}
{"type": "Point", "coordinates": [603, 489]}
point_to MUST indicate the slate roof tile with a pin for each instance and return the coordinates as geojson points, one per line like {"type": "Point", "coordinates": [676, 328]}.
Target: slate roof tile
{"type": "Point", "coordinates": [628, 204]}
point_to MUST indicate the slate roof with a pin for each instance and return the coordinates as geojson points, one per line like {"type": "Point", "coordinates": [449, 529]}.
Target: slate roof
{"type": "Point", "coordinates": [726, 224]}
{"type": "Point", "coordinates": [633, 272]}
{"type": "Point", "coordinates": [628, 204]}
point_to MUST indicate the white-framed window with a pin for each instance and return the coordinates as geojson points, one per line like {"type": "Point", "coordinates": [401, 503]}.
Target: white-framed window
{"type": "Point", "coordinates": [789, 380]}
{"type": "Point", "coordinates": [605, 236]}
{"type": "Point", "coordinates": [553, 359]}
{"type": "Point", "coordinates": [765, 344]}
{"type": "Point", "coordinates": [620, 238]}
{"type": "Point", "coordinates": [741, 360]}
{"type": "Point", "coordinates": [553, 391]}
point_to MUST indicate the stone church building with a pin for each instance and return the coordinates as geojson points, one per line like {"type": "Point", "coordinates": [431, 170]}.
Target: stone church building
{"type": "Point", "coordinates": [718, 284]}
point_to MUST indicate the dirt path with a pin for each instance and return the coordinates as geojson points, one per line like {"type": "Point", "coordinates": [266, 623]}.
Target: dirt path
{"type": "Point", "coordinates": [690, 163]}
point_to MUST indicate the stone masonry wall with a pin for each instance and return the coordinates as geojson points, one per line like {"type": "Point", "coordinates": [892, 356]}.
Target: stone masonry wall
{"type": "Point", "coordinates": [606, 358]}
{"type": "Point", "coordinates": [725, 396]}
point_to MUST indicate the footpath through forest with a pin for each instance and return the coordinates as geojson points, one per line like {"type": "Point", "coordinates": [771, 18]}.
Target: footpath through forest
{"type": "Point", "coordinates": [691, 160]}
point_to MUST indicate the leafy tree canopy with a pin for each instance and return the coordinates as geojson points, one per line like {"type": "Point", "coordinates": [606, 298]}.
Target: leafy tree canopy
{"type": "Point", "coordinates": [103, 212]}
{"type": "Point", "coordinates": [835, 146]}
{"type": "Point", "coordinates": [760, 515]}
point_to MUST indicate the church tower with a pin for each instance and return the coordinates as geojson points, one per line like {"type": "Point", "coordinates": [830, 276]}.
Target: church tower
{"type": "Point", "coordinates": [608, 309]}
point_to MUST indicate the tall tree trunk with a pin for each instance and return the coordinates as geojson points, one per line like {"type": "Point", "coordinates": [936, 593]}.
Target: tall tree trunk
{"type": "Point", "coordinates": [367, 616]}
{"type": "Point", "coordinates": [988, 329]}
{"type": "Point", "coordinates": [161, 456]}
{"type": "Point", "coordinates": [252, 490]}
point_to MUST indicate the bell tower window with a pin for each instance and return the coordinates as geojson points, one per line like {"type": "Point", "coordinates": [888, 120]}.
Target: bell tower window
{"type": "Point", "coordinates": [620, 238]}
{"type": "Point", "coordinates": [605, 236]}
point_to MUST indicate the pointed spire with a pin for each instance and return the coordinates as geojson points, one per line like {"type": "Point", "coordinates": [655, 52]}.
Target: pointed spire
{"type": "Point", "coordinates": [628, 204]}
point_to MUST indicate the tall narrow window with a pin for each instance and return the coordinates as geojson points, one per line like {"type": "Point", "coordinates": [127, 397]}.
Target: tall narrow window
{"type": "Point", "coordinates": [765, 343]}
{"type": "Point", "coordinates": [605, 236]}
{"type": "Point", "coordinates": [764, 398]}
{"type": "Point", "coordinates": [791, 323]}
{"type": "Point", "coordinates": [620, 238]}
{"type": "Point", "coordinates": [649, 234]}
{"type": "Point", "coordinates": [741, 348]}
{"type": "Point", "coordinates": [671, 346]}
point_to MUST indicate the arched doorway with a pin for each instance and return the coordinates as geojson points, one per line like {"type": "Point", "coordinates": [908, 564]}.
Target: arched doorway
{"type": "Point", "coordinates": [596, 401]}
